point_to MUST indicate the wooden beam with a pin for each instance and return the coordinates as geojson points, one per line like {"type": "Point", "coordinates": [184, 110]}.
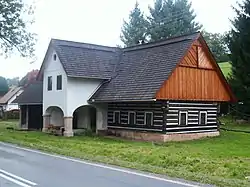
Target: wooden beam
{"type": "Point", "coordinates": [194, 67]}
{"type": "Point", "coordinates": [165, 107]}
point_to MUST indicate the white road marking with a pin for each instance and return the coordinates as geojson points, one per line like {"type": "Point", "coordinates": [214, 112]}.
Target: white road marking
{"type": "Point", "coordinates": [13, 180]}
{"type": "Point", "coordinates": [103, 166]}
{"type": "Point", "coordinates": [17, 177]}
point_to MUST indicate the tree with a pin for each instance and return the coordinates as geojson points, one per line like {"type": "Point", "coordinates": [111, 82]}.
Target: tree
{"type": "Point", "coordinates": [29, 78]}
{"type": "Point", "coordinates": [15, 18]}
{"type": "Point", "coordinates": [239, 45]}
{"type": "Point", "coordinates": [3, 86]}
{"type": "Point", "coordinates": [135, 29]}
{"type": "Point", "coordinates": [13, 82]}
{"type": "Point", "coordinates": [171, 18]}
{"type": "Point", "coordinates": [218, 46]}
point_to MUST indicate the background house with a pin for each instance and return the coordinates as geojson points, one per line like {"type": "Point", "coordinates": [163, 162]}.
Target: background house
{"type": "Point", "coordinates": [6, 102]}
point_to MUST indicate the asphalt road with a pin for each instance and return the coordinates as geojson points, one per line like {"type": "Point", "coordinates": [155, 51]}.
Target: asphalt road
{"type": "Point", "coordinates": [28, 168]}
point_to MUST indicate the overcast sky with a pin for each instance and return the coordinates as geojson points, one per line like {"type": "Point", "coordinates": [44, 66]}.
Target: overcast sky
{"type": "Point", "coordinates": [99, 22]}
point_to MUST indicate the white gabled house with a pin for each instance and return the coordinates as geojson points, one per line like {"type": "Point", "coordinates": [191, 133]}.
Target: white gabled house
{"type": "Point", "coordinates": [6, 102]}
{"type": "Point", "coordinates": [68, 85]}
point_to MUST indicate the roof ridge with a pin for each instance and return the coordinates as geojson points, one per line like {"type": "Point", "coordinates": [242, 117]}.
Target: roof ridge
{"type": "Point", "coordinates": [170, 40]}
{"type": "Point", "coordinates": [83, 45]}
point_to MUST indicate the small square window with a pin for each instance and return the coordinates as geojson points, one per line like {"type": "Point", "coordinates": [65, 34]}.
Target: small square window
{"type": "Point", "coordinates": [54, 57]}
{"type": "Point", "coordinates": [203, 118]}
{"type": "Point", "coordinates": [131, 118]}
{"type": "Point", "coordinates": [59, 82]}
{"type": "Point", "coordinates": [183, 118]}
{"type": "Point", "coordinates": [49, 83]}
{"type": "Point", "coordinates": [148, 119]}
{"type": "Point", "coordinates": [116, 117]}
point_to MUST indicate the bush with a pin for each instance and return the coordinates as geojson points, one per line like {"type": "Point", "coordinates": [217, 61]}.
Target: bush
{"type": "Point", "coordinates": [13, 114]}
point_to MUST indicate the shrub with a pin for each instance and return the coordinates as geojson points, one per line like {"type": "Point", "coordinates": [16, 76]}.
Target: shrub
{"type": "Point", "coordinates": [12, 114]}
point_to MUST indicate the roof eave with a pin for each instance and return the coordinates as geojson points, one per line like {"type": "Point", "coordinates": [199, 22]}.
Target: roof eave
{"type": "Point", "coordinates": [126, 100]}
{"type": "Point", "coordinates": [87, 77]}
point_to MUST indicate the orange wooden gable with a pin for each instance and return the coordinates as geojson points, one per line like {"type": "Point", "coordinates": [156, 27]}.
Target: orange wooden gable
{"type": "Point", "coordinates": [197, 77]}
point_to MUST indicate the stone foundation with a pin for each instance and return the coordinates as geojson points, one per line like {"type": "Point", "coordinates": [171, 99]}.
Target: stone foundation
{"type": "Point", "coordinates": [158, 137]}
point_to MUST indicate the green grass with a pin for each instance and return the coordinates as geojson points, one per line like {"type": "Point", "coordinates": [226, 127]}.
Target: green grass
{"type": "Point", "coordinates": [223, 161]}
{"type": "Point", "coordinates": [225, 68]}
{"type": "Point", "coordinates": [232, 125]}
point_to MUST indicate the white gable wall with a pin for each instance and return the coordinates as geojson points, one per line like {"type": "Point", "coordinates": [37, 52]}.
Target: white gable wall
{"type": "Point", "coordinates": [54, 97]}
{"type": "Point", "coordinates": [79, 92]}
{"type": "Point", "coordinates": [75, 91]}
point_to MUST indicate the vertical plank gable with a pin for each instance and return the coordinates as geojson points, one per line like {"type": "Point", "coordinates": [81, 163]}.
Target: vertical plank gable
{"type": "Point", "coordinates": [195, 79]}
{"type": "Point", "coordinates": [191, 58]}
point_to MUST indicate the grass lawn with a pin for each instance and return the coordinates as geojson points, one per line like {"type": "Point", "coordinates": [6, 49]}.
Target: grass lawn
{"type": "Point", "coordinates": [226, 68]}
{"type": "Point", "coordinates": [230, 124]}
{"type": "Point", "coordinates": [223, 161]}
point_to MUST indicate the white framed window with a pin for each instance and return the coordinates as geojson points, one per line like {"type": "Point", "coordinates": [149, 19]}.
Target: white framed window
{"type": "Point", "coordinates": [148, 119]}
{"type": "Point", "coordinates": [202, 118]}
{"type": "Point", "coordinates": [116, 117]}
{"type": "Point", "coordinates": [131, 118]}
{"type": "Point", "coordinates": [59, 82]}
{"type": "Point", "coordinates": [183, 118]}
{"type": "Point", "coordinates": [49, 84]}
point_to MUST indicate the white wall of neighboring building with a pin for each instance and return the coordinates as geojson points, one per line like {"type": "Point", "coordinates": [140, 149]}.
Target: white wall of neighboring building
{"type": "Point", "coordinates": [79, 90]}
{"type": "Point", "coordinates": [54, 97]}
{"type": "Point", "coordinates": [13, 106]}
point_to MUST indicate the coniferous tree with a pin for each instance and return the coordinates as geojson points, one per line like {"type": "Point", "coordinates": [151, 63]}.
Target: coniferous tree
{"type": "Point", "coordinates": [171, 18]}
{"type": "Point", "coordinates": [218, 46]}
{"type": "Point", "coordinates": [135, 29]}
{"type": "Point", "coordinates": [239, 45]}
{"type": "Point", "coordinates": [4, 88]}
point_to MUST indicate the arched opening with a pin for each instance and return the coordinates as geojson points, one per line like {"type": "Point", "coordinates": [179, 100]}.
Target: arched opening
{"type": "Point", "coordinates": [55, 116]}
{"type": "Point", "coordinates": [84, 117]}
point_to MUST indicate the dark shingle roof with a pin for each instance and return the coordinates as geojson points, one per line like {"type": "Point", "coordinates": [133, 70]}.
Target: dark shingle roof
{"type": "Point", "coordinates": [143, 69]}
{"type": "Point", "coordinates": [32, 94]}
{"type": "Point", "coordinates": [86, 60]}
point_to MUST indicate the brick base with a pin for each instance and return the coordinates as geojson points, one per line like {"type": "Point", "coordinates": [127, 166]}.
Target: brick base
{"type": "Point", "coordinates": [158, 137]}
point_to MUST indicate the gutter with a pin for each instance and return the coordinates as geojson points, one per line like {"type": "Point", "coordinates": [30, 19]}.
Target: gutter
{"type": "Point", "coordinates": [112, 101]}
{"type": "Point", "coordinates": [86, 77]}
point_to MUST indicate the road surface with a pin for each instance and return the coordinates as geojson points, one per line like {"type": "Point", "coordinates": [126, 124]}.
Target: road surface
{"type": "Point", "coordinates": [29, 168]}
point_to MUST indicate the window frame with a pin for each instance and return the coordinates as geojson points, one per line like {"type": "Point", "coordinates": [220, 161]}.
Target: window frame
{"type": "Point", "coordinates": [131, 112]}
{"type": "Point", "coordinates": [202, 112]}
{"type": "Point", "coordinates": [152, 119]}
{"type": "Point", "coordinates": [49, 88]}
{"type": "Point", "coordinates": [119, 121]}
{"type": "Point", "coordinates": [57, 82]}
{"type": "Point", "coordinates": [180, 113]}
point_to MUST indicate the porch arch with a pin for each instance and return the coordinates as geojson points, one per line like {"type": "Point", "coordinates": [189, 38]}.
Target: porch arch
{"type": "Point", "coordinates": [84, 117]}
{"type": "Point", "coordinates": [56, 116]}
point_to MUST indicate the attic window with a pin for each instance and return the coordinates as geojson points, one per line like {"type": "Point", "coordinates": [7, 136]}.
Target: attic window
{"type": "Point", "coordinates": [54, 57]}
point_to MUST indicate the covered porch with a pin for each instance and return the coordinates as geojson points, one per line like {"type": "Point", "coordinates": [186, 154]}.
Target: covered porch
{"type": "Point", "coordinates": [86, 118]}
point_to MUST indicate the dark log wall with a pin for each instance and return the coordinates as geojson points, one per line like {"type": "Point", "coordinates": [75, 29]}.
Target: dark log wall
{"type": "Point", "coordinates": [193, 110]}
{"type": "Point", "coordinates": [172, 116]}
{"type": "Point", "coordinates": [139, 108]}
